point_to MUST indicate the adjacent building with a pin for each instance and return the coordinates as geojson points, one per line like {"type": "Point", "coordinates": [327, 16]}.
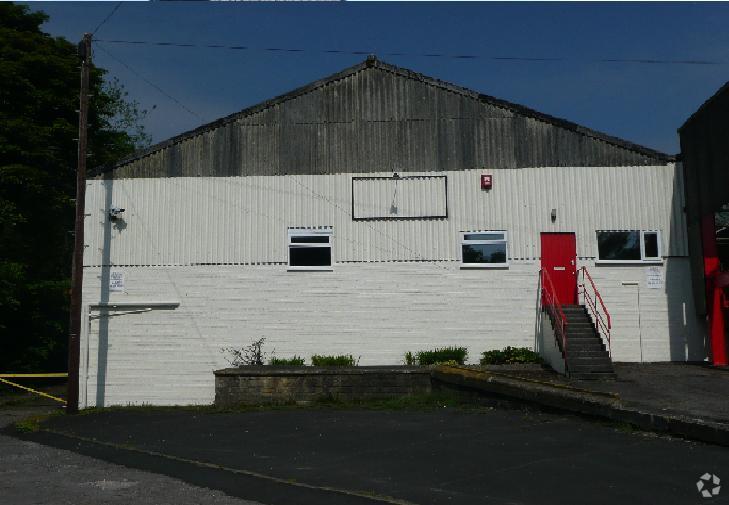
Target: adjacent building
{"type": "Point", "coordinates": [705, 158]}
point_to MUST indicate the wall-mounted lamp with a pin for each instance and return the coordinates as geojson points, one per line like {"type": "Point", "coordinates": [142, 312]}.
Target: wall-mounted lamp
{"type": "Point", "coordinates": [554, 215]}
{"type": "Point", "coordinates": [115, 213]}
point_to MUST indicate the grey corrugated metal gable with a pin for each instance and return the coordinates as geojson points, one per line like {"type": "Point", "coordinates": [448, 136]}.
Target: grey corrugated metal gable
{"type": "Point", "coordinates": [534, 140]}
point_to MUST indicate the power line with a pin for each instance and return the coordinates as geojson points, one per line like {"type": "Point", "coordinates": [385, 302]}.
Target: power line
{"type": "Point", "coordinates": [187, 109]}
{"type": "Point", "coordinates": [106, 18]}
{"type": "Point", "coordinates": [643, 61]}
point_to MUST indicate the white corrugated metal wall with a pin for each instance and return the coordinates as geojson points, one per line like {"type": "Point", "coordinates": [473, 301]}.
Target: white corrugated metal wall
{"type": "Point", "coordinates": [196, 230]}
{"type": "Point", "coordinates": [242, 220]}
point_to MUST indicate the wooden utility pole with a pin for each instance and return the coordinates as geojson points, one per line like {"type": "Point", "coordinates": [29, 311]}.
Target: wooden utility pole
{"type": "Point", "coordinates": [77, 272]}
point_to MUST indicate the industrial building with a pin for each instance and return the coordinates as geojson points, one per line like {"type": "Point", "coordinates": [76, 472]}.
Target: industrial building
{"type": "Point", "coordinates": [705, 158]}
{"type": "Point", "coordinates": [374, 212]}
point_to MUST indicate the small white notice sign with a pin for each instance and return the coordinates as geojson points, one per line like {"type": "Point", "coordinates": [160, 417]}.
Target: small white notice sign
{"type": "Point", "coordinates": [116, 281]}
{"type": "Point", "coordinates": [654, 278]}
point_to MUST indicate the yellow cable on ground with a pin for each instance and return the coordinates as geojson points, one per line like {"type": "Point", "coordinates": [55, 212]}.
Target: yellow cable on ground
{"type": "Point", "coordinates": [41, 393]}
{"type": "Point", "coordinates": [61, 375]}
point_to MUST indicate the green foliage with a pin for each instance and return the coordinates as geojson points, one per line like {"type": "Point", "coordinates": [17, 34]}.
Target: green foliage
{"type": "Point", "coordinates": [33, 424]}
{"type": "Point", "coordinates": [510, 356]}
{"type": "Point", "coordinates": [39, 87]}
{"type": "Point", "coordinates": [343, 360]}
{"type": "Point", "coordinates": [442, 356]}
{"type": "Point", "coordinates": [251, 354]}
{"type": "Point", "coordinates": [295, 361]}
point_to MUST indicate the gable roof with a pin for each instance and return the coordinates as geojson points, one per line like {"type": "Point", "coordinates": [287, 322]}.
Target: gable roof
{"type": "Point", "coordinates": [373, 62]}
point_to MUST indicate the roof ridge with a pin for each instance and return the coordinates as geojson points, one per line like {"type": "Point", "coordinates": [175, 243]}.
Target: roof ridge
{"type": "Point", "coordinates": [373, 62]}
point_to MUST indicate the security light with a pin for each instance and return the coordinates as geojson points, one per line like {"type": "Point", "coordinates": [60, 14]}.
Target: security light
{"type": "Point", "coordinates": [115, 213]}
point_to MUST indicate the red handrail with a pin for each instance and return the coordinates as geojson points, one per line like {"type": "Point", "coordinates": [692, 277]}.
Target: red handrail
{"type": "Point", "coordinates": [551, 304]}
{"type": "Point", "coordinates": [603, 323]}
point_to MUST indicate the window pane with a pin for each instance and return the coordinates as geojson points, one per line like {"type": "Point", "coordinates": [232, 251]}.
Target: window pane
{"type": "Point", "coordinates": [618, 245]}
{"type": "Point", "coordinates": [310, 256]}
{"type": "Point", "coordinates": [650, 245]}
{"type": "Point", "coordinates": [484, 253]}
{"type": "Point", "coordinates": [483, 236]}
{"type": "Point", "coordinates": [309, 239]}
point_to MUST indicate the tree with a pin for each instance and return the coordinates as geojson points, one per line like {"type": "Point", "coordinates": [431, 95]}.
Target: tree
{"type": "Point", "coordinates": [39, 83]}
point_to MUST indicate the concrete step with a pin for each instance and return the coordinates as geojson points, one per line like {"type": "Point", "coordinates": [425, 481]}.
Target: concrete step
{"type": "Point", "coordinates": [589, 361]}
{"type": "Point", "coordinates": [590, 368]}
{"type": "Point", "coordinates": [587, 353]}
{"type": "Point", "coordinates": [574, 312]}
{"type": "Point", "coordinates": [593, 376]}
{"type": "Point", "coordinates": [583, 339]}
{"type": "Point", "coordinates": [572, 328]}
{"type": "Point", "coordinates": [579, 324]}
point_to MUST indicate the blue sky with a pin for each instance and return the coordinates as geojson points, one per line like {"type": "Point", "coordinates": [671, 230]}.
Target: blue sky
{"type": "Point", "coordinates": [643, 103]}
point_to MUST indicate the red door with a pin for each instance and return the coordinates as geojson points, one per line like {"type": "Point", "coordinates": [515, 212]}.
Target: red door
{"type": "Point", "coordinates": [559, 258]}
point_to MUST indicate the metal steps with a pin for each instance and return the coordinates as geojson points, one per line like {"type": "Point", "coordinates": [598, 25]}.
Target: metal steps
{"type": "Point", "coordinates": [587, 357]}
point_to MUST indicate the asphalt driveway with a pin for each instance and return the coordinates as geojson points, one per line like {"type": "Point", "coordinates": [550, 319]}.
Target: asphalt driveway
{"type": "Point", "coordinates": [442, 456]}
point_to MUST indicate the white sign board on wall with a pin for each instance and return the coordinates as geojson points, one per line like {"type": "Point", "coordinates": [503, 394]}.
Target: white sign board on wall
{"type": "Point", "coordinates": [409, 197]}
{"type": "Point", "coordinates": [654, 278]}
{"type": "Point", "coordinates": [116, 281]}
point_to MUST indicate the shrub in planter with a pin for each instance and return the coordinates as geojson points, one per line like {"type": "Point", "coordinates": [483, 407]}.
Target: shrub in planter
{"type": "Point", "coordinates": [295, 361]}
{"type": "Point", "coordinates": [510, 356]}
{"type": "Point", "coordinates": [443, 355]}
{"type": "Point", "coordinates": [343, 360]}
{"type": "Point", "coordinates": [249, 355]}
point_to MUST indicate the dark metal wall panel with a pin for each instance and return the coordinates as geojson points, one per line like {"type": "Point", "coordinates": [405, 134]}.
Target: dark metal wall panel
{"type": "Point", "coordinates": [374, 120]}
{"type": "Point", "coordinates": [705, 158]}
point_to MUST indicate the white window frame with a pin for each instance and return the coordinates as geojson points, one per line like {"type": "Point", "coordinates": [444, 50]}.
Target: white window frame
{"type": "Point", "coordinates": [643, 259]}
{"type": "Point", "coordinates": [504, 241]}
{"type": "Point", "coordinates": [308, 232]}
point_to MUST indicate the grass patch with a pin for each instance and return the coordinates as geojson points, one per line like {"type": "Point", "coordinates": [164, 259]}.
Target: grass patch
{"type": "Point", "coordinates": [421, 402]}
{"type": "Point", "coordinates": [343, 360]}
{"type": "Point", "coordinates": [510, 356]}
{"type": "Point", "coordinates": [33, 424]}
{"type": "Point", "coordinates": [441, 356]}
{"type": "Point", "coordinates": [295, 361]}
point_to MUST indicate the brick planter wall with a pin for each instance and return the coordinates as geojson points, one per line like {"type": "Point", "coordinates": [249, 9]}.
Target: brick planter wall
{"type": "Point", "coordinates": [252, 385]}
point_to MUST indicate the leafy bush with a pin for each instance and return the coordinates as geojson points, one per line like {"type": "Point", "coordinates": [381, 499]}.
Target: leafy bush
{"type": "Point", "coordinates": [343, 360]}
{"type": "Point", "coordinates": [249, 355]}
{"type": "Point", "coordinates": [444, 355]}
{"type": "Point", "coordinates": [295, 361]}
{"type": "Point", "coordinates": [509, 356]}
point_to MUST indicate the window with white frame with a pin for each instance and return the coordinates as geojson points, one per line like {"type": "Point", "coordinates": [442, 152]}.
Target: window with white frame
{"type": "Point", "coordinates": [484, 249]}
{"type": "Point", "coordinates": [310, 249]}
{"type": "Point", "coordinates": [629, 246]}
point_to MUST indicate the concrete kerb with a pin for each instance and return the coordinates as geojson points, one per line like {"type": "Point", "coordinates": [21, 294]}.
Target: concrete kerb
{"type": "Point", "coordinates": [581, 401]}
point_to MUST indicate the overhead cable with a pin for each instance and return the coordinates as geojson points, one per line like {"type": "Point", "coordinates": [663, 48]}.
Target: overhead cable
{"type": "Point", "coordinates": [643, 61]}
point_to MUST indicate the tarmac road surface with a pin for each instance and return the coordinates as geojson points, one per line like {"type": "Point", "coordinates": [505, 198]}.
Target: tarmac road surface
{"type": "Point", "coordinates": [444, 456]}
{"type": "Point", "coordinates": [36, 474]}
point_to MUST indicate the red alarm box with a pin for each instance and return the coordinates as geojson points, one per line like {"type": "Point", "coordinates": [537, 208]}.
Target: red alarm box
{"type": "Point", "coordinates": [486, 182]}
